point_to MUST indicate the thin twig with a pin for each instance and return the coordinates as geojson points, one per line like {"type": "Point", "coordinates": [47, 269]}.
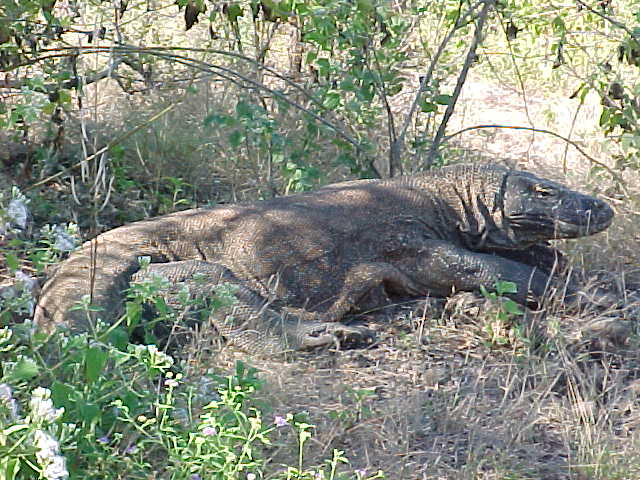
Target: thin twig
{"type": "Point", "coordinates": [471, 57]}
{"type": "Point", "coordinates": [107, 147]}
{"type": "Point", "coordinates": [203, 66]}
{"type": "Point", "coordinates": [123, 49]}
{"type": "Point", "coordinates": [613, 173]}
{"type": "Point", "coordinates": [395, 164]}
{"type": "Point", "coordinates": [72, 83]}
{"type": "Point", "coordinates": [613, 22]}
{"type": "Point", "coordinates": [396, 147]}
{"type": "Point", "coordinates": [512, 57]}
{"type": "Point", "coordinates": [573, 126]}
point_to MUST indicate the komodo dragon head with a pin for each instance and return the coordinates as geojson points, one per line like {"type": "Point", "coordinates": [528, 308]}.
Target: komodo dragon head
{"type": "Point", "coordinates": [534, 209]}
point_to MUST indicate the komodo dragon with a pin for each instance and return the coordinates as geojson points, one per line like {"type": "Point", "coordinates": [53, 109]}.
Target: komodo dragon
{"type": "Point", "coordinates": [326, 253]}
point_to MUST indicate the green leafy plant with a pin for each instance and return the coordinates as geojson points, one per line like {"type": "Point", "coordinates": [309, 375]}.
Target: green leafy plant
{"type": "Point", "coordinates": [503, 328]}
{"type": "Point", "coordinates": [111, 407]}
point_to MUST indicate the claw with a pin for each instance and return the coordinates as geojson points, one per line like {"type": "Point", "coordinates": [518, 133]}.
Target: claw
{"type": "Point", "coordinates": [326, 334]}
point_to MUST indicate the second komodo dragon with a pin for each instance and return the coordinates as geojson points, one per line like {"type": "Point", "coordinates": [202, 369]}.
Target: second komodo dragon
{"type": "Point", "coordinates": [302, 262]}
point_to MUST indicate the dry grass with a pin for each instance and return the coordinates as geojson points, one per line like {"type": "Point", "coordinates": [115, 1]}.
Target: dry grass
{"type": "Point", "coordinates": [438, 398]}
{"type": "Point", "coordinates": [435, 398]}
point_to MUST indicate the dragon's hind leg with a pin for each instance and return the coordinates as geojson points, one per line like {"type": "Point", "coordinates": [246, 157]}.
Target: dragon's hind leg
{"type": "Point", "coordinates": [246, 320]}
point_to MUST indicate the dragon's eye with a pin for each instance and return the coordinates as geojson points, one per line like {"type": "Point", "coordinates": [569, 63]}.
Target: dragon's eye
{"type": "Point", "coordinates": [543, 190]}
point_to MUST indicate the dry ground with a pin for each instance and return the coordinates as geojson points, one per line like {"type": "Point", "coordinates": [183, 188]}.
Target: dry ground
{"type": "Point", "coordinates": [451, 392]}
{"type": "Point", "coordinates": [448, 391]}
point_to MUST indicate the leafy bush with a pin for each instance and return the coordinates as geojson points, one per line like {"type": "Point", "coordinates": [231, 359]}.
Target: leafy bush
{"type": "Point", "coordinates": [117, 409]}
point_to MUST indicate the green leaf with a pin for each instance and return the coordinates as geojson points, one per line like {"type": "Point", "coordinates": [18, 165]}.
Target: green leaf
{"type": "Point", "coordinates": [513, 308]}
{"type": "Point", "coordinates": [89, 412]}
{"type": "Point", "coordinates": [119, 338]}
{"type": "Point", "coordinates": [236, 138]}
{"type": "Point", "coordinates": [218, 119]}
{"type": "Point", "coordinates": [64, 97]}
{"type": "Point", "coordinates": [9, 468]}
{"type": "Point", "coordinates": [323, 66]}
{"type": "Point", "coordinates": [12, 262]}
{"type": "Point", "coordinates": [583, 93]}
{"type": "Point", "coordinates": [133, 313]}
{"type": "Point", "coordinates": [24, 369]}
{"type": "Point", "coordinates": [428, 107]}
{"type": "Point", "coordinates": [130, 400]}
{"type": "Point", "coordinates": [95, 360]}
{"type": "Point", "coordinates": [233, 12]}
{"type": "Point", "coordinates": [331, 100]}
{"type": "Point", "coordinates": [365, 6]}
{"type": "Point", "coordinates": [604, 117]}
{"type": "Point", "coordinates": [485, 293]}
{"type": "Point", "coordinates": [243, 109]}
{"type": "Point", "coordinates": [442, 99]}
{"type": "Point", "coordinates": [64, 395]}
{"type": "Point", "coordinates": [311, 57]}
{"type": "Point", "coordinates": [558, 25]}
{"type": "Point", "coordinates": [347, 160]}
{"type": "Point", "coordinates": [117, 151]}
{"type": "Point", "coordinates": [14, 428]}
{"type": "Point", "coordinates": [49, 108]}
{"type": "Point", "coordinates": [618, 119]}
{"type": "Point", "coordinates": [503, 287]}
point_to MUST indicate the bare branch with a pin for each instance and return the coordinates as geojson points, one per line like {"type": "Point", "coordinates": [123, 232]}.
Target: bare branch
{"type": "Point", "coordinates": [575, 145]}
{"type": "Point", "coordinates": [207, 67]}
{"type": "Point", "coordinates": [398, 144]}
{"type": "Point", "coordinates": [471, 57]}
{"type": "Point", "coordinates": [612, 21]}
{"type": "Point", "coordinates": [72, 83]}
{"type": "Point", "coordinates": [218, 70]}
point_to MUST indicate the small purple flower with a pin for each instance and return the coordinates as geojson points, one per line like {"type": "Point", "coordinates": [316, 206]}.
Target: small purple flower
{"type": "Point", "coordinates": [361, 473]}
{"type": "Point", "coordinates": [195, 476]}
{"type": "Point", "coordinates": [104, 440]}
{"type": "Point", "coordinates": [280, 421]}
{"type": "Point", "coordinates": [131, 449]}
{"type": "Point", "coordinates": [209, 431]}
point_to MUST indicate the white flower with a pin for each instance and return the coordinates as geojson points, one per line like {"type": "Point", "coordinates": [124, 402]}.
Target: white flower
{"type": "Point", "coordinates": [6, 397]}
{"type": "Point", "coordinates": [5, 391]}
{"type": "Point", "coordinates": [48, 447]}
{"type": "Point", "coordinates": [57, 469]}
{"type": "Point", "coordinates": [42, 407]}
{"type": "Point", "coordinates": [157, 359]}
{"type": "Point", "coordinates": [18, 213]}
{"type": "Point", "coordinates": [48, 456]}
{"type": "Point", "coordinates": [27, 280]}
{"type": "Point", "coordinates": [64, 241]}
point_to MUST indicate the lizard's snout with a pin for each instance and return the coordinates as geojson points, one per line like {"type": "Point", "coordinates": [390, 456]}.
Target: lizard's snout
{"type": "Point", "coordinates": [593, 215]}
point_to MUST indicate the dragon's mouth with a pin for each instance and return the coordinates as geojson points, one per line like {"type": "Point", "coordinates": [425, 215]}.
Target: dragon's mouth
{"type": "Point", "coordinates": [580, 229]}
{"type": "Point", "coordinates": [550, 227]}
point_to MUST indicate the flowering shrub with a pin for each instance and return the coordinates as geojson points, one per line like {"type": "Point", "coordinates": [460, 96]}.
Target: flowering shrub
{"type": "Point", "coordinates": [29, 444]}
{"type": "Point", "coordinates": [113, 409]}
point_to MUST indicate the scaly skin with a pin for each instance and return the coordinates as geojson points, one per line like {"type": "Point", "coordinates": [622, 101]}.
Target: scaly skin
{"type": "Point", "coordinates": [458, 227]}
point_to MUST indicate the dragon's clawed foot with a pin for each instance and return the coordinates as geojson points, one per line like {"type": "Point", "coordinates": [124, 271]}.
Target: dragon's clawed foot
{"type": "Point", "coordinates": [333, 333]}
